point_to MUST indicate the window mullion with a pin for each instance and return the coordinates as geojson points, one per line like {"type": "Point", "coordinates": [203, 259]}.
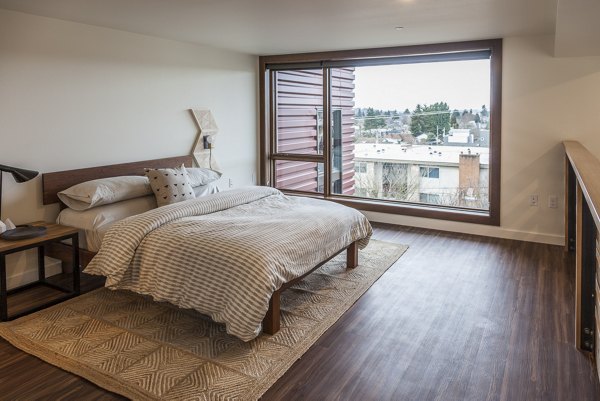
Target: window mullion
{"type": "Point", "coordinates": [272, 125]}
{"type": "Point", "coordinates": [298, 157]}
{"type": "Point", "coordinates": [327, 130]}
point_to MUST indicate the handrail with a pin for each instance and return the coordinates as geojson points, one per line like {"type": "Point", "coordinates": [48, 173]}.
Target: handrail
{"type": "Point", "coordinates": [582, 203]}
{"type": "Point", "coordinates": [587, 169]}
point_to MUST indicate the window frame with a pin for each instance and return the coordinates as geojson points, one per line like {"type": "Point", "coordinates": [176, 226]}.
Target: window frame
{"type": "Point", "coordinates": [362, 167]}
{"type": "Point", "coordinates": [428, 196]}
{"type": "Point", "coordinates": [378, 56]}
{"type": "Point", "coordinates": [428, 169]}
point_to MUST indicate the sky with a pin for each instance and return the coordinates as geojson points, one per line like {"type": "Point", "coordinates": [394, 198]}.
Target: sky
{"type": "Point", "coordinates": [461, 84]}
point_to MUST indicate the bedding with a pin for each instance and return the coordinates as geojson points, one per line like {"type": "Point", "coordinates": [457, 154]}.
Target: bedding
{"type": "Point", "coordinates": [104, 191]}
{"type": "Point", "coordinates": [94, 223]}
{"type": "Point", "coordinates": [199, 176]}
{"type": "Point", "coordinates": [224, 255]}
{"type": "Point", "coordinates": [208, 189]}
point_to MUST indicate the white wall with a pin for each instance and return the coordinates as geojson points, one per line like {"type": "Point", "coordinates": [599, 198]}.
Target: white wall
{"type": "Point", "coordinates": [74, 95]}
{"type": "Point", "coordinates": [545, 100]}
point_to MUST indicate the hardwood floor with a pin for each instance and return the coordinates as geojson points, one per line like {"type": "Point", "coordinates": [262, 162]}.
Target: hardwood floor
{"type": "Point", "coordinates": [458, 317]}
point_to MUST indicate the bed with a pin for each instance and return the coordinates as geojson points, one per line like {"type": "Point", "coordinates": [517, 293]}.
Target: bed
{"type": "Point", "coordinates": [228, 255]}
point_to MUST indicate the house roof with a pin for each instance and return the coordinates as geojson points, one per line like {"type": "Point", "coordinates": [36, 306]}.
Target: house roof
{"type": "Point", "coordinates": [417, 154]}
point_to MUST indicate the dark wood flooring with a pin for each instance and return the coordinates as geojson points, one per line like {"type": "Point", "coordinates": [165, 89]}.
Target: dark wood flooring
{"type": "Point", "coordinates": [458, 317]}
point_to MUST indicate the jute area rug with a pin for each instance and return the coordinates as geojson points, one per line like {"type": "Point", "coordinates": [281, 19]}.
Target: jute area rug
{"type": "Point", "coordinates": [145, 350]}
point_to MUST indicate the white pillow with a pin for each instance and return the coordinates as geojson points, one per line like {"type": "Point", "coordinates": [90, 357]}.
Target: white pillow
{"type": "Point", "coordinates": [199, 176]}
{"type": "Point", "coordinates": [104, 191]}
{"type": "Point", "coordinates": [209, 189]}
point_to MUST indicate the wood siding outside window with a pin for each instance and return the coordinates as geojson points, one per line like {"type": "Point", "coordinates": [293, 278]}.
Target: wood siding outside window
{"type": "Point", "coordinates": [299, 129]}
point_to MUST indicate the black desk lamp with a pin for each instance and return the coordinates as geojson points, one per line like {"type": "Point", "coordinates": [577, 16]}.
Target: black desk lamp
{"type": "Point", "coordinates": [20, 175]}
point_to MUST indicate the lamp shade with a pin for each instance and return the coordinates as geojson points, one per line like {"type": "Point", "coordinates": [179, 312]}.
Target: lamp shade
{"type": "Point", "coordinates": [19, 174]}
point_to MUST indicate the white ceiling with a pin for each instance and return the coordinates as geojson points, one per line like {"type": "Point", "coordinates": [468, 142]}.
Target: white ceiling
{"type": "Point", "coordinates": [577, 28]}
{"type": "Point", "coordinates": [292, 26]}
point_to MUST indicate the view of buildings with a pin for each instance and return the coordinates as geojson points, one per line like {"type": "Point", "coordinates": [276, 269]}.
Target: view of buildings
{"type": "Point", "coordinates": [449, 168]}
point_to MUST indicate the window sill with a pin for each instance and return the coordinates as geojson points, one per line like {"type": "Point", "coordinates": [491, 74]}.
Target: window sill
{"type": "Point", "coordinates": [411, 209]}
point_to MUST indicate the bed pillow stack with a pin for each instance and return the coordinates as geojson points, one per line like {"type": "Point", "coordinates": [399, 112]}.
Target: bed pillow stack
{"type": "Point", "coordinates": [168, 185]}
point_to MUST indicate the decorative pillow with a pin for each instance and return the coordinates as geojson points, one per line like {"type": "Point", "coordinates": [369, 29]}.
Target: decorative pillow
{"type": "Point", "coordinates": [170, 185]}
{"type": "Point", "coordinates": [202, 176]}
{"type": "Point", "coordinates": [104, 191]}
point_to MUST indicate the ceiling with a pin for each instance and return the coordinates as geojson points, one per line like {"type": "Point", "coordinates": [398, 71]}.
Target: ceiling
{"type": "Point", "coordinates": [291, 26]}
{"type": "Point", "coordinates": [577, 28]}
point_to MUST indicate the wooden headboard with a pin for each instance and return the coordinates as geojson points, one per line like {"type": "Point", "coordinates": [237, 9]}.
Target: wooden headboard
{"type": "Point", "coordinates": [53, 183]}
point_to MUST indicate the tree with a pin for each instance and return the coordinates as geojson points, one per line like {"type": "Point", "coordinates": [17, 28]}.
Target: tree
{"type": "Point", "coordinates": [454, 118]}
{"type": "Point", "coordinates": [465, 118]}
{"type": "Point", "coordinates": [431, 120]}
{"type": "Point", "coordinates": [394, 183]}
{"type": "Point", "coordinates": [373, 120]}
{"type": "Point", "coordinates": [416, 121]}
{"type": "Point", "coordinates": [484, 111]}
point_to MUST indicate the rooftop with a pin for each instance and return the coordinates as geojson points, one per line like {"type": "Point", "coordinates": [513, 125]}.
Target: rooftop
{"type": "Point", "coordinates": [424, 154]}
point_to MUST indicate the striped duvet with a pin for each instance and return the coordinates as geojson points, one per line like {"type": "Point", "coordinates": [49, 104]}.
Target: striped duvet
{"type": "Point", "coordinates": [225, 254]}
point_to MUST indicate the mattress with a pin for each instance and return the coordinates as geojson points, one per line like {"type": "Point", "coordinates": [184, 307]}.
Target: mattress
{"type": "Point", "coordinates": [94, 223]}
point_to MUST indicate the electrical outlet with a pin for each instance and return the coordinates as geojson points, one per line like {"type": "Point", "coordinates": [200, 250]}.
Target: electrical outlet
{"type": "Point", "coordinates": [553, 201]}
{"type": "Point", "coordinates": [230, 183]}
{"type": "Point", "coordinates": [533, 200]}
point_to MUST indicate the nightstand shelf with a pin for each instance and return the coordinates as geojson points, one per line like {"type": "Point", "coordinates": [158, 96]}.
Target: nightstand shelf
{"type": "Point", "coordinates": [55, 233]}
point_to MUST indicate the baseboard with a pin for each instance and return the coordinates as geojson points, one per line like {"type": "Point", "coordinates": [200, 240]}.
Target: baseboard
{"type": "Point", "coordinates": [475, 229]}
{"type": "Point", "coordinates": [30, 273]}
{"type": "Point", "coordinates": [541, 238]}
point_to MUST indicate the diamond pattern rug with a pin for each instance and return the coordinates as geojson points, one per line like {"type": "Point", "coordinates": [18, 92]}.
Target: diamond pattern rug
{"type": "Point", "coordinates": [146, 350]}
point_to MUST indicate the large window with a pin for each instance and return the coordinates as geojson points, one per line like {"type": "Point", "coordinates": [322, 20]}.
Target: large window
{"type": "Point", "coordinates": [409, 130]}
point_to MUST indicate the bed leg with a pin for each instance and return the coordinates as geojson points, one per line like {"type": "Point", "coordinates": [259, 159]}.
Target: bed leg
{"type": "Point", "coordinates": [352, 255]}
{"type": "Point", "coordinates": [271, 322]}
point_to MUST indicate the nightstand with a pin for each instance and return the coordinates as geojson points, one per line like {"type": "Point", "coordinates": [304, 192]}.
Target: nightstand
{"type": "Point", "coordinates": [54, 233]}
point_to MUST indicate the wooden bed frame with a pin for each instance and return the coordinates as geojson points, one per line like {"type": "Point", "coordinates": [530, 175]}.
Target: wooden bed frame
{"type": "Point", "coordinates": [52, 183]}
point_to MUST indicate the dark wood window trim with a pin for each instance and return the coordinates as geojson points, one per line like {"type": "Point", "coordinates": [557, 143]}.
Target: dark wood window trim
{"type": "Point", "coordinates": [418, 53]}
